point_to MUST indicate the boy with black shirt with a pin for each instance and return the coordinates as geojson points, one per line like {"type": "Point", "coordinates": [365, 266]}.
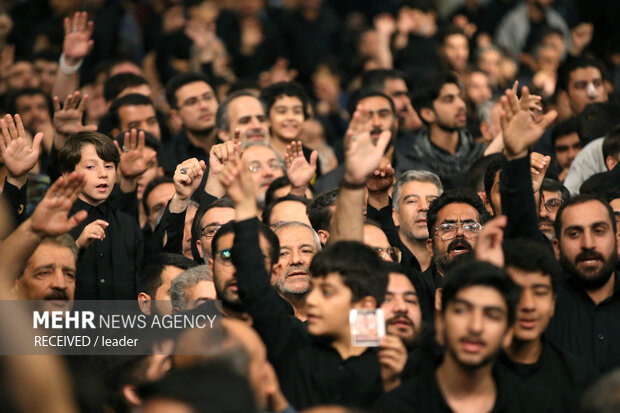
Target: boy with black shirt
{"type": "Point", "coordinates": [532, 363]}
{"type": "Point", "coordinates": [478, 304]}
{"type": "Point", "coordinates": [109, 240]}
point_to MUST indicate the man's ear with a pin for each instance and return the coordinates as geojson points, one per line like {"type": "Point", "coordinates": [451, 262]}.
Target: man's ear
{"type": "Point", "coordinates": [15, 289]}
{"type": "Point", "coordinates": [160, 172]}
{"type": "Point", "coordinates": [115, 133]}
{"type": "Point", "coordinates": [276, 272]}
{"type": "Point", "coordinates": [438, 293]}
{"type": "Point", "coordinates": [323, 236]}
{"type": "Point", "coordinates": [611, 162]}
{"type": "Point", "coordinates": [131, 395]}
{"type": "Point", "coordinates": [395, 217]}
{"type": "Point", "coordinates": [556, 248]}
{"type": "Point", "coordinates": [427, 114]}
{"type": "Point", "coordinates": [199, 248]}
{"type": "Point", "coordinates": [210, 264]}
{"type": "Point", "coordinates": [488, 206]}
{"type": "Point", "coordinates": [144, 302]}
{"type": "Point", "coordinates": [507, 340]}
{"type": "Point", "coordinates": [439, 327]}
{"type": "Point", "coordinates": [429, 247]}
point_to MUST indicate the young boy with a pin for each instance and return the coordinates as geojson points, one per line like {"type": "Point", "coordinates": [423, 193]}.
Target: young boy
{"type": "Point", "coordinates": [109, 240]}
{"type": "Point", "coordinates": [531, 362]}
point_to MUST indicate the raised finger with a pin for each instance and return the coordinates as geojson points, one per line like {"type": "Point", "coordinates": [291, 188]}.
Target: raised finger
{"type": "Point", "coordinates": [56, 103]}
{"type": "Point", "coordinates": [11, 125]}
{"type": "Point", "coordinates": [5, 130]}
{"type": "Point", "coordinates": [20, 126]}
{"type": "Point", "coordinates": [83, 103]}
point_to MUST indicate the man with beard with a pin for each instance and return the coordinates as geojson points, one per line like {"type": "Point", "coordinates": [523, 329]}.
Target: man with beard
{"type": "Point", "coordinates": [291, 276]}
{"type": "Point", "coordinates": [224, 271]}
{"type": "Point", "coordinates": [193, 102]}
{"type": "Point", "coordinates": [553, 195]}
{"type": "Point", "coordinates": [587, 317]}
{"type": "Point", "coordinates": [264, 165]}
{"type": "Point", "coordinates": [401, 307]}
{"type": "Point", "coordinates": [454, 222]}
{"type": "Point", "coordinates": [242, 111]}
{"type": "Point", "coordinates": [478, 306]}
{"type": "Point", "coordinates": [443, 146]}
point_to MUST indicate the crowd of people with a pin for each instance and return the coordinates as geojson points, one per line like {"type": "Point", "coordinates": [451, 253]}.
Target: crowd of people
{"type": "Point", "coordinates": [294, 163]}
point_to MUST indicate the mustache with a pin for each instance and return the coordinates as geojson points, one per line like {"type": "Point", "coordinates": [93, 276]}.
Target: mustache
{"type": "Point", "coordinates": [58, 295]}
{"type": "Point", "coordinates": [545, 220]}
{"type": "Point", "coordinates": [473, 339]}
{"type": "Point", "coordinates": [399, 317]}
{"type": "Point", "coordinates": [460, 242]}
{"type": "Point", "coordinates": [376, 131]}
{"type": "Point", "coordinates": [589, 255]}
{"type": "Point", "coordinates": [255, 131]}
{"type": "Point", "coordinates": [295, 268]}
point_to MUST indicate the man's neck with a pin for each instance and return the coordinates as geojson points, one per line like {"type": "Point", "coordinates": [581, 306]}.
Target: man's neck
{"type": "Point", "coordinates": [279, 145]}
{"type": "Point", "coordinates": [535, 13]}
{"type": "Point", "coordinates": [245, 317]}
{"type": "Point", "coordinates": [89, 202]}
{"type": "Point", "coordinates": [462, 387]}
{"type": "Point", "coordinates": [446, 140]}
{"type": "Point", "coordinates": [345, 347]}
{"type": "Point", "coordinates": [525, 352]}
{"type": "Point", "coordinates": [601, 294]}
{"type": "Point", "coordinates": [298, 302]}
{"type": "Point", "coordinates": [204, 140]}
{"type": "Point", "coordinates": [418, 249]}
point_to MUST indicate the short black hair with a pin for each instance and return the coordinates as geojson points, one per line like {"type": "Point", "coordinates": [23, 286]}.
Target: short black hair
{"type": "Point", "coordinates": [471, 273]}
{"type": "Point", "coordinates": [597, 119]}
{"type": "Point", "coordinates": [594, 185]}
{"type": "Point", "coordinates": [531, 256]}
{"type": "Point", "coordinates": [223, 202]}
{"type": "Point", "coordinates": [425, 6]}
{"type": "Point", "coordinates": [10, 102]}
{"type": "Point", "coordinates": [566, 127]}
{"type": "Point", "coordinates": [429, 88]}
{"type": "Point", "coordinates": [149, 276]}
{"type": "Point", "coordinates": [269, 209]}
{"type": "Point", "coordinates": [613, 194]}
{"type": "Point", "coordinates": [552, 185]}
{"type": "Point", "coordinates": [117, 83]}
{"type": "Point", "coordinates": [493, 168]}
{"type": "Point", "coordinates": [457, 195]}
{"type": "Point", "coordinates": [570, 66]}
{"type": "Point", "coordinates": [264, 230]}
{"type": "Point", "coordinates": [46, 54]}
{"type": "Point", "coordinates": [178, 82]}
{"type": "Point", "coordinates": [359, 266]}
{"type": "Point", "coordinates": [111, 120]}
{"type": "Point", "coordinates": [476, 172]}
{"type": "Point", "coordinates": [611, 143]}
{"type": "Point", "coordinates": [448, 31]}
{"type": "Point", "coordinates": [70, 153]}
{"type": "Point", "coordinates": [581, 199]}
{"type": "Point", "coordinates": [271, 93]}
{"type": "Point", "coordinates": [226, 392]}
{"type": "Point", "coordinates": [362, 94]}
{"type": "Point", "coordinates": [149, 188]}
{"type": "Point", "coordinates": [276, 184]}
{"type": "Point", "coordinates": [375, 79]}
{"type": "Point", "coordinates": [319, 213]}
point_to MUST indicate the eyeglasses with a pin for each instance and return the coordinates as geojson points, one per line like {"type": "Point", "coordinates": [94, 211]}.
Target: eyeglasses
{"type": "Point", "coordinates": [553, 205]}
{"type": "Point", "coordinates": [393, 252]}
{"type": "Point", "coordinates": [257, 166]}
{"type": "Point", "coordinates": [447, 230]}
{"type": "Point", "coordinates": [195, 99]}
{"type": "Point", "coordinates": [210, 230]}
{"type": "Point", "coordinates": [224, 256]}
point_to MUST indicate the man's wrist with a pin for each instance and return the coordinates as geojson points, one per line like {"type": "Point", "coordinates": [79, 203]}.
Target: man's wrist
{"type": "Point", "coordinates": [128, 184]}
{"type": "Point", "coordinates": [245, 209]}
{"type": "Point", "coordinates": [511, 156]}
{"type": "Point", "coordinates": [69, 65]}
{"type": "Point", "coordinates": [349, 182]}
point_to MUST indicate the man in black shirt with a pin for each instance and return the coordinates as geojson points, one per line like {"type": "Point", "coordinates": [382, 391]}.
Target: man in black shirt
{"type": "Point", "coordinates": [532, 362]}
{"type": "Point", "coordinates": [478, 305]}
{"type": "Point", "coordinates": [587, 320]}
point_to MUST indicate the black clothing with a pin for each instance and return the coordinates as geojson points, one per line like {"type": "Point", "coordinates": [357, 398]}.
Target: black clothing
{"type": "Point", "coordinates": [419, 58]}
{"type": "Point", "coordinates": [421, 394]}
{"type": "Point", "coordinates": [16, 198]}
{"type": "Point", "coordinates": [585, 329]}
{"type": "Point", "coordinates": [180, 149]}
{"type": "Point", "coordinates": [106, 270]}
{"type": "Point", "coordinates": [310, 370]}
{"type": "Point", "coordinates": [554, 383]}
{"type": "Point", "coordinates": [518, 201]}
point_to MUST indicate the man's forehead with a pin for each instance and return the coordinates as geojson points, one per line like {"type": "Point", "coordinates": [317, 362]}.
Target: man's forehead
{"type": "Point", "coordinates": [50, 254]}
{"type": "Point", "coordinates": [420, 188]}
{"type": "Point", "coordinates": [246, 106]}
{"type": "Point", "coordinates": [193, 89]}
{"type": "Point", "coordinates": [399, 283]}
{"type": "Point", "coordinates": [392, 85]}
{"type": "Point", "coordinates": [481, 296]}
{"type": "Point", "coordinates": [29, 100]}
{"type": "Point", "coordinates": [374, 103]}
{"type": "Point", "coordinates": [221, 215]}
{"type": "Point", "coordinates": [285, 100]}
{"type": "Point", "coordinates": [258, 153]}
{"type": "Point", "coordinates": [456, 211]}
{"type": "Point", "coordinates": [136, 110]}
{"type": "Point", "coordinates": [583, 73]}
{"type": "Point", "coordinates": [585, 214]}
{"type": "Point", "coordinates": [449, 89]}
{"type": "Point", "coordinates": [552, 195]}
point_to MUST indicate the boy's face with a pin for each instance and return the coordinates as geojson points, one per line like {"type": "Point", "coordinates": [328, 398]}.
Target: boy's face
{"type": "Point", "coordinates": [329, 304]}
{"type": "Point", "coordinates": [287, 117]}
{"type": "Point", "coordinates": [99, 176]}
{"type": "Point", "coordinates": [536, 305]}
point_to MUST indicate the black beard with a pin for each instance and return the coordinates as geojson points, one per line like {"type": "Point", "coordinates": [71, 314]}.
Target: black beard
{"type": "Point", "coordinates": [590, 283]}
{"type": "Point", "coordinates": [447, 128]}
{"type": "Point", "coordinates": [442, 259]}
{"type": "Point", "coordinates": [202, 133]}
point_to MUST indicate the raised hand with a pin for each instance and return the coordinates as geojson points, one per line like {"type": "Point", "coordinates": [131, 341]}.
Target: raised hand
{"type": "Point", "coordinates": [19, 153]}
{"type": "Point", "coordinates": [218, 157]}
{"type": "Point", "coordinates": [385, 24]}
{"type": "Point", "coordinates": [539, 164]}
{"type": "Point", "coordinates": [240, 187]}
{"type": "Point", "coordinates": [187, 177]}
{"type": "Point", "coordinates": [51, 216]}
{"type": "Point", "coordinates": [68, 120]}
{"type": "Point", "coordinates": [362, 153]}
{"type": "Point", "coordinates": [489, 246]}
{"type": "Point", "coordinates": [392, 359]}
{"type": "Point", "coordinates": [77, 44]}
{"type": "Point", "coordinates": [133, 161]}
{"type": "Point", "coordinates": [382, 178]}
{"type": "Point", "coordinates": [521, 126]}
{"type": "Point", "coordinates": [298, 170]}
{"type": "Point", "coordinates": [93, 231]}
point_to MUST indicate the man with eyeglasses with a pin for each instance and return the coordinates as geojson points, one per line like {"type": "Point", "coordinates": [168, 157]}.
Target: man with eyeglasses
{"type": "Point", "coordinates": [193, 105]}
{"type": "Point", "coordinates": [454, 221]}
{"type": "Point", "coordinates": [207, 222]}
{"type": "Point", "coordinates": [264, 165]}
{"type": "Point", "coordinates": [553, 195]}
{"type": "Point", "coordinates": [375, 238]}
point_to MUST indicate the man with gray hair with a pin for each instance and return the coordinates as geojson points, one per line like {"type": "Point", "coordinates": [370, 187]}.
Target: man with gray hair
{"type": "Point", "coordinates": [411, 197]}
{"type": "Point", "coordinates": [291, 275]}
{"type": "Point", "coordinates": [265, 166]}
{"type": "Point", "coordinates": [242, 111]}
{"type": "Point", "coordinates": [192, 288]}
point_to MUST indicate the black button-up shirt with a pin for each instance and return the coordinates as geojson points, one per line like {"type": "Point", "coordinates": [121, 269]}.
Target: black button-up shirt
{"type": "Point", "coordinates": [106, 269]}
{"type": "Point", "coordinates": [310, 370]}
{"type": "Point", "coordinates": [586, 329]}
